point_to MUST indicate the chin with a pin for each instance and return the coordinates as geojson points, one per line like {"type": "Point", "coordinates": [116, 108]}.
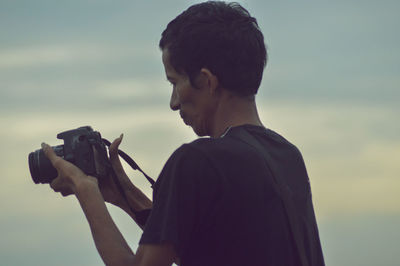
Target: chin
{"type": "Point", "coordinates": [201, 132]}
{"type": "Point", "coordinates": [198, 130]}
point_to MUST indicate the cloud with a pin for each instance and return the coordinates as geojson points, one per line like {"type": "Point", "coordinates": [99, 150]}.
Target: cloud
{"type": "Point", "coordinates": [41, 56]}
{"type": "Point", "coordinates": [34, 57]}
{"type": "Point", "coordinates": [351, 152]}
{"type": "Point", "coordinates": [347, 156]}
{"type": "Point", "coordinates": [134, 88]}
{"type": "Point", "coordinates": [60, 54]}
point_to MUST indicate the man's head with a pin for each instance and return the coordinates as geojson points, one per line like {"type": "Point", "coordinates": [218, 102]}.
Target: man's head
{"type": "Point", "coordinates": [221, 37]}
{"type": "Point", "coordinates": [211, 49]}
{"type": "Point", "coordinates": [196, 105]}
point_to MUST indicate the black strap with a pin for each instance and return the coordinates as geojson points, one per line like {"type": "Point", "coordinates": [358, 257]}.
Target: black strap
{"type": "Point", "coordinates": [131, 162]}
{"type": "Point", "coordinates": [284, 191]}
{"type": "Point", "coordinates": [141, 216]}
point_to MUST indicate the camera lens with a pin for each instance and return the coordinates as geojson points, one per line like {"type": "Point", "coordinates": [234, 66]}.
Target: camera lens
{"type": "Point", "coordinates": [42, 171]}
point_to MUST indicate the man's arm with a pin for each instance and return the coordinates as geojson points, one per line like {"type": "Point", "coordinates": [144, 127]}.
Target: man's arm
{"type": "Point", "coordinates": [109, 241]}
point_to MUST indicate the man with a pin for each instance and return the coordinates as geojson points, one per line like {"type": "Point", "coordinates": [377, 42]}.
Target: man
{"type": "Point", "coordinates": [240, 197]}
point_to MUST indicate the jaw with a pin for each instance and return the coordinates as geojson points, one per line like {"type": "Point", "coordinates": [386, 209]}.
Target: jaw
{"type": "Point", "coordinates": [199, 127]}
{"type": "Point", "coordinates": [199, 131]}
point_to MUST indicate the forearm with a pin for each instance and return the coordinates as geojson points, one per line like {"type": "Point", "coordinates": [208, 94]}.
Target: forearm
{"type": "Point", "coordinates": [135, 200]}
{"type": "Point", "coordinates": [109, 241]}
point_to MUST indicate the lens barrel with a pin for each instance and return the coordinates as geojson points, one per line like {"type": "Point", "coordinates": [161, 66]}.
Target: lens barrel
{"type": "Point", "coordinates": [42, 171]}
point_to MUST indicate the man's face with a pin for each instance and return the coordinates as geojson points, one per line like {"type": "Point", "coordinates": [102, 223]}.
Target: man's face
{"type": "Point", "coordinates": [195, 105]}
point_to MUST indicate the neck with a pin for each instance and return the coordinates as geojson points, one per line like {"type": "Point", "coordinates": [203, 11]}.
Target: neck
{"type": "Point", "coordinates": [233, 111]}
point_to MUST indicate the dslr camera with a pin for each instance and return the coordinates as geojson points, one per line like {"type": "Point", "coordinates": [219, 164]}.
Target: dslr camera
{"type": "Point", "coordinates": [87, 150]}
{"type": "Point", "coordinates": [82, 146]}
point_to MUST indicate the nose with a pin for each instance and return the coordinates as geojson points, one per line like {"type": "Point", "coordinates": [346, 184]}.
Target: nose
{"type": "Point", "coordinates": [174, 102]}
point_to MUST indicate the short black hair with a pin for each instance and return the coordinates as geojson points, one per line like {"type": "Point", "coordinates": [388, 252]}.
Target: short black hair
{"type": "Point", "coordinates": [222, 37]}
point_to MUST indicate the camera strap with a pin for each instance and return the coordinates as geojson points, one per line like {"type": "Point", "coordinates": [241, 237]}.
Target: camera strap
{"type": "Point", "coordinates": [141, 216]}
{"type": "Point", "coordinates": [131, 162]}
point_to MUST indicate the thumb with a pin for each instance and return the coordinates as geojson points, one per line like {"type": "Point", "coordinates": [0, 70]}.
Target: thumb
{"type": "Point", "coordinates": [113, 149]}
{"type": "Point", "coordinates": [114, 158]}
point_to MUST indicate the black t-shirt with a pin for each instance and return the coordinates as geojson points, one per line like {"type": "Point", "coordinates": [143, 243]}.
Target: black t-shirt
{"type": "Point", "coordinates": [215, 201]}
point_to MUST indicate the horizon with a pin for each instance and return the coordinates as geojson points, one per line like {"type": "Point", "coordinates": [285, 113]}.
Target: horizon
{"type": "Point", "coordinates": [330, 87]}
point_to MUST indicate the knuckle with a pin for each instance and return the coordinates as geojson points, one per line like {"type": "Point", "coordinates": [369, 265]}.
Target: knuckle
{"type": "Point", "coordinates": [113, 150]}
{"type": "Point", "coordinates": [57, 162]}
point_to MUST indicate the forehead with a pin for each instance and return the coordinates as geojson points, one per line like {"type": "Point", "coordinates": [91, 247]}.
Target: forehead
{"type": "Point", "coordinates": [169, 69]}
{"type": "Point", "coordinates": [165, 57]}
{"type": "Point", "coordinates": [165, 60]}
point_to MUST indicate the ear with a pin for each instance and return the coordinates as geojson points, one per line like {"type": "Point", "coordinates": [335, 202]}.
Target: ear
{"type": "Point", "coordinates": [209, 80]}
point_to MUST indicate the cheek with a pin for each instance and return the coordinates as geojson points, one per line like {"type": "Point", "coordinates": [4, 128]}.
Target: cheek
{"type": "Point", "coordinates": [184, 96]}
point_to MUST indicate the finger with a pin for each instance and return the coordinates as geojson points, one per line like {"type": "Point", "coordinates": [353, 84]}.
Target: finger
{"type": "Point", "coordinates": [56, 184]}
{"type": "Point", "coordinates": [114, 158]}
{"type": "Point", "coordinates": [66, 192]}
{"type": "Point", "coordinates": [50, 154]}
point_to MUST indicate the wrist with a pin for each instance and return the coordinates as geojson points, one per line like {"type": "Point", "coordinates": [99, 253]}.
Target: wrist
{"type": "Point", "coordinates": [82, 185]}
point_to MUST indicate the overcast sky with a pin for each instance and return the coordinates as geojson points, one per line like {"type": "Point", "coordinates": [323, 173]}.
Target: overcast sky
{"type": "Point", "coordinates": [331, 86]}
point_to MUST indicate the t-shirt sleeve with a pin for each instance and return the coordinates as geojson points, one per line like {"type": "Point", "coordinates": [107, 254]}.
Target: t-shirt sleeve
{"type": "Point", "coordinates": [182, 194]}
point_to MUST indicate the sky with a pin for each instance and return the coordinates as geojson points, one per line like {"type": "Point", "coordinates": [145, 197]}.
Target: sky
{"type": "Point", "coordinates": [331, 87]}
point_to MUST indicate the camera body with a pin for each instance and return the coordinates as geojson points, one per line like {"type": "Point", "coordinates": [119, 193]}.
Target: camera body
{"type": "Point", "coordinates": [82, 146]}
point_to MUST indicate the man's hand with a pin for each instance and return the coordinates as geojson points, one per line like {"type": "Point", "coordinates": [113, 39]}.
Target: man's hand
{"type": "Point", "coordinates": [107, 185]}
{"type": "Point", "coordinates": [136, 199]}
{"type": "Point", "coordinates": [70, 178]}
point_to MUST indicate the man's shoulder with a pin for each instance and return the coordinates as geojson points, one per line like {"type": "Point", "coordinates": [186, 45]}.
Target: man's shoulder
{"type": "Point", "coordinates": [204, 144]}
{"type": "Point", "coordinates": [232, 150]}
{"type": "Point", "coordinates": [191, 154]}
{"type": "Point", "coordinates": [197, 153]}
{"type": "Point", "coordinates": [204, 155]}
{"type": "Point", "coordinates": [232, 141]}
{"type": "Point", "coordinates": [216, 147]}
